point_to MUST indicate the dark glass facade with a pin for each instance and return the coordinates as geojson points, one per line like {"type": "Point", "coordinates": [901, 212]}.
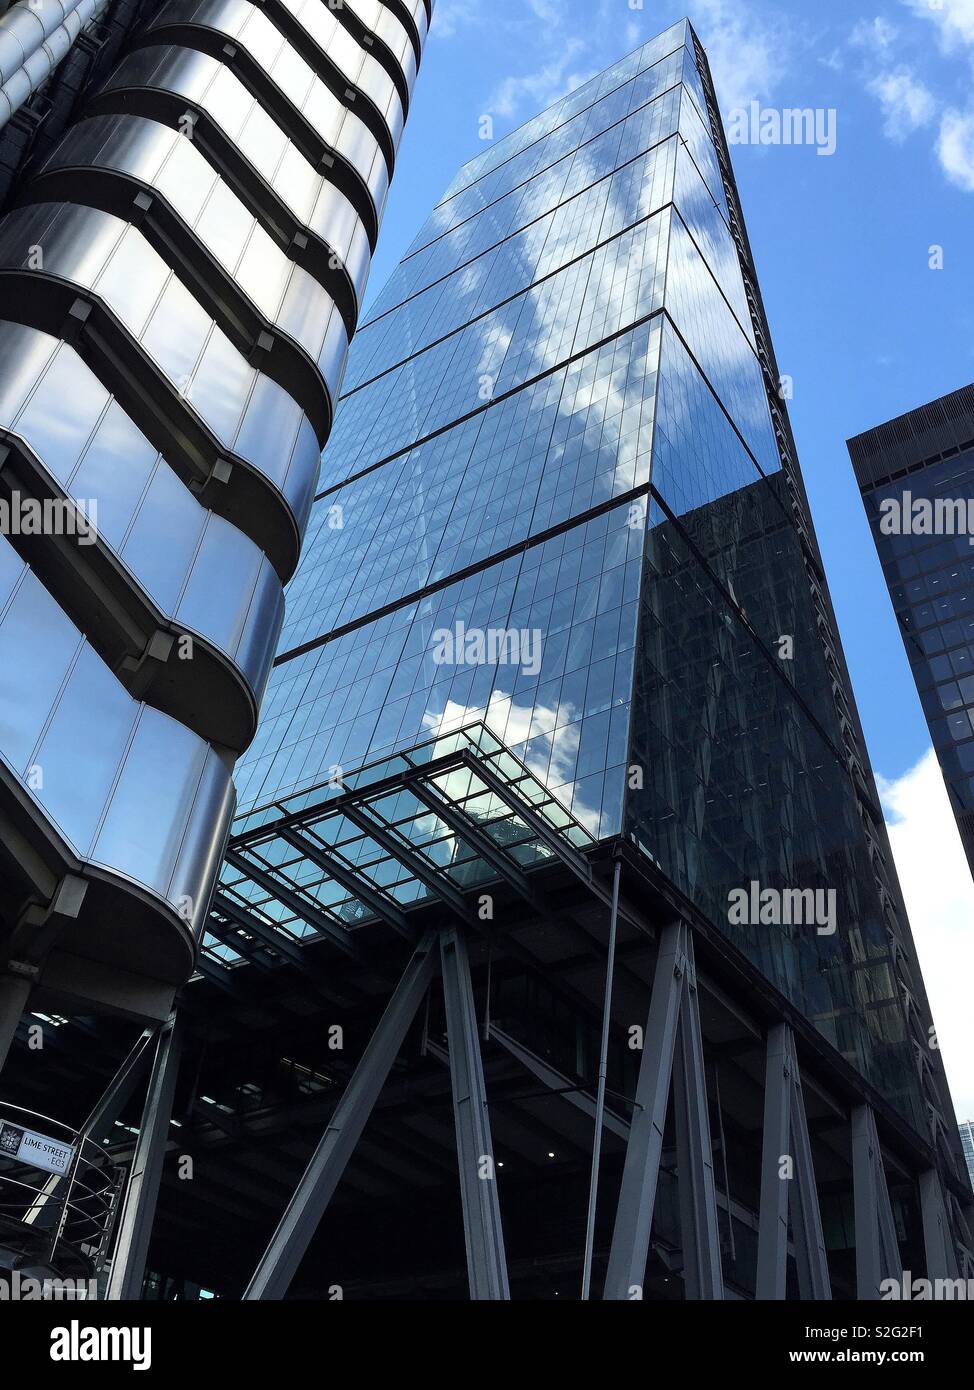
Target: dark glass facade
{"type": "Point", "coordinates": [561, 421]}
{"type": "Point", "coordinates": [905, 468]}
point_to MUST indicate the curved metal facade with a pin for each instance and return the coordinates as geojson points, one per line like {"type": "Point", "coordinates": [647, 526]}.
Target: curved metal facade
{"type": "Point", "coordinates": [179, 284]}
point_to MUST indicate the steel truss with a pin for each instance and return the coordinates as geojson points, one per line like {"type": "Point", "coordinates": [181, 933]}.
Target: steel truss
{"type": "Point", "coordinates": [494, 824]}
{"type": "Point", "coordinates": [671, 1073]}
{"type": "Point", "coordinates": [673, 1052]}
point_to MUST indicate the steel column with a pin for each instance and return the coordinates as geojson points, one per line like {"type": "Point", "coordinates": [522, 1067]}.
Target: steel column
{"type": "Point", "coordinates": [702, 1274]}
{"type": "Point", "coordinates": [938, 1244]}
{"type": "Point", "coordinates": [811, 1258]}
{"type": "Point", "coordinates": [593, 1189]}
{"type": "Point", "coordinates": [637, 1196]}
{"type": "Point", "coordinates": [14, 994]}
{"type": "Point", "coordinates": [279, 1263]}
{"type": "Point", "coordinates": [145, 1175]}
{"type": "Point", "coordinates": [482, 1231]}
{"type": "Point", "coordinates": [115, 1096]}
{"type": "Point", "coordinates": [786, 1137]}
{"type": "Point", "coordinates": [877, 1251]}
{"type": "Point", "coordinates": [773, 1219]}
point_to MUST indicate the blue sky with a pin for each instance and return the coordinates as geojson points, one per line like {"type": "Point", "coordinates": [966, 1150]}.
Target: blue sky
{"type": "Point", "coordinates": [860, 321]}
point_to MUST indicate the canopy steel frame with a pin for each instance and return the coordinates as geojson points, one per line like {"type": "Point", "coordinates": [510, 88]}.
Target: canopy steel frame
{"type": "Point", "coordinates": [479, 842]}
{"type": "Point", "coordinates": [285, 947]}
{"type": "Point", "coordinates": [352, 882]}
{"type": "Point", "coordinates": [357, 802]}
{"type": "Point", "coordinates": [301, 907]}
{"type": "Point", "coordinates": [424, 873]}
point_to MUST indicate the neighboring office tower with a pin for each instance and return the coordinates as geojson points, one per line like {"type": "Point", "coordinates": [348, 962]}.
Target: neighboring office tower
{"type": "Point", "coordinates": [916, 475]}
{"type": "Point", "coordinates": [562, 499]}
{"type": "Point", "coordinates": [967, 1143]}
{"type": "Point", "coordinates": [178, 285]}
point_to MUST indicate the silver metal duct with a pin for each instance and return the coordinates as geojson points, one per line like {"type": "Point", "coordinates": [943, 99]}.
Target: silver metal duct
{"type": "Point", "coordinates": [25, 27]}
{"type": "Point", "coordinates": [33, 40]}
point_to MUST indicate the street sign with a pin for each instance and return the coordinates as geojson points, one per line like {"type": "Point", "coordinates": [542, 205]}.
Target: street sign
{"type": "Point", "coordinates": [39, 1150]}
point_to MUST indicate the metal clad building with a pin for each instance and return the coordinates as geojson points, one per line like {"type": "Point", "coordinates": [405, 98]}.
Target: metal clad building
{"type": "Point", "coordinates": [180, 275]}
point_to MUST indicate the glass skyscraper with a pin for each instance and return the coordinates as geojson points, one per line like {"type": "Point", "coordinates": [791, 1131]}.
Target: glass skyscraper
{"type": "Point", "coordinates": [916, 475]}
{"type": "Point", "coordinates": [562, 420]}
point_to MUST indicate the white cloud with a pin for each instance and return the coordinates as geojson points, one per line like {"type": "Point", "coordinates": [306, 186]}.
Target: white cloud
{"type": "Point", "coordinates": [906, 103]}
{"type": "Point", "coordinates": [536, 90]}
{"type": "Point", "coordinates": [874, 34]}
{"type": "Point", "coordinates": [955, 148]}
{"type": "Point", "coordinates": [953, 18]}
{"type": "Point", "coordinates": [453, 15]}
{"type": "Point", "coordinates": [746, 53]}
{"type": "Point", "coordinates": [939, 893]}
{"type": "Point", "coordinates": [548, 10]}
{"type": "Point", "coordinates": [549, 32]}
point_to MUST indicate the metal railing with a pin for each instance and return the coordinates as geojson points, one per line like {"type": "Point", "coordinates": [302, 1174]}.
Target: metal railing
{"type": "Point", "coordinates": [61, 1220]}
